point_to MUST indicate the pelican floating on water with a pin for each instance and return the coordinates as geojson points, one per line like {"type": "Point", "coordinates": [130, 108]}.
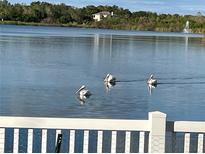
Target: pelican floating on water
{"type": "Point", "coordinates": [83, 92]}
{"type": "Point", "coordinates": [152, 81]}
{"type": "Point", "coordinates": [110, 79]}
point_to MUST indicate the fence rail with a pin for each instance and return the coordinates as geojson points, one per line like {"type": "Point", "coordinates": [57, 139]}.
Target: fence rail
{"type": "Point", "coordinates": [156, 127]}
{"type": "Point", "coordinates": [73, 123]}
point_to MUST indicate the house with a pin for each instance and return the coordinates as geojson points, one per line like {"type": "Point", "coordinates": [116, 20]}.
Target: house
{"type": "Point", "coordinates": [100, 15]}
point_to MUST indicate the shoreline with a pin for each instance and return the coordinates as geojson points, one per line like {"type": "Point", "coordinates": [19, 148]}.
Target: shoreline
{"type": "Point", "coordinates": [131, 32]}
{"type": "Point", "coordinates": [74, 25]}
{"type": "Point", "coordinates": [40, 24]}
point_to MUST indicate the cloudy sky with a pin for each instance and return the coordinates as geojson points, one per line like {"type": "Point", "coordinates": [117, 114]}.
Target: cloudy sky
{"type": "Point", "coordinates": [159, 6]}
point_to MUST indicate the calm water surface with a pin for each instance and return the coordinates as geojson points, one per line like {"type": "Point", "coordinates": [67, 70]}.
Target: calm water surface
{"type": "Point", "coordinates": [41, 68]}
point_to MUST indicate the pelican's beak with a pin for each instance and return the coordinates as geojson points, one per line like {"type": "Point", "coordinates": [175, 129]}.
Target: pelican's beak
{"type": "Point", "coordinates": [105, 79]}
{"type": "Point", "coordinates": [78, 90]}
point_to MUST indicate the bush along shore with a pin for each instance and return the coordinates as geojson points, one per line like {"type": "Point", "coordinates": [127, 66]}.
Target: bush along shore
{"type": "Point", "coordinates": [43, 13]}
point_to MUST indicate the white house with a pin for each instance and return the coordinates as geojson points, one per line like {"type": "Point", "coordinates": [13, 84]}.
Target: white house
{"type": "Point", "coordinates": [100, 15]}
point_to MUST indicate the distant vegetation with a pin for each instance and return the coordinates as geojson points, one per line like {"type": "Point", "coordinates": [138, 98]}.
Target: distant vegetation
{"type": "Point", "coordinates": [43, 13]}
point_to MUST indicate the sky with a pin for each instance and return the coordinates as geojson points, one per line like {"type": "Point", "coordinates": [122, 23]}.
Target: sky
{"type": "Point", "coordinates": [160, 6]}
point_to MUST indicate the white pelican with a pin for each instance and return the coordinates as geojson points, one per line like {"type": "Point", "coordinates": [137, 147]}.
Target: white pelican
{"type": "Point", "coordinates": [152, 81]}
{"type": "Point", "coordinates": [83, 92]}
{"type": "Point", "coordinates": [110, 79]}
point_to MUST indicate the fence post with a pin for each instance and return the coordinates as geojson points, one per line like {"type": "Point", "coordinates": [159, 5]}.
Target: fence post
{"type": "Point", "coordinates": [157, 132]}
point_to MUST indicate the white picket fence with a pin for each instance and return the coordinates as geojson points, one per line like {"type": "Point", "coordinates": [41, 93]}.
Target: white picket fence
{"type": "Point", "coordinates": [156, 126]}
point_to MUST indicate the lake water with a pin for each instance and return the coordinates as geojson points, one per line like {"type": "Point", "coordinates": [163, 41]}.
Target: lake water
{"type": "Point", "coordinates": [41, 68]}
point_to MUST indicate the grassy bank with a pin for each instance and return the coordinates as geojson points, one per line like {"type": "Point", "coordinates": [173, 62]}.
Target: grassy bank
{"type": "Point", "coordinates": [94, 25]}
{"type": "Point", "coordinates": [39, 24]}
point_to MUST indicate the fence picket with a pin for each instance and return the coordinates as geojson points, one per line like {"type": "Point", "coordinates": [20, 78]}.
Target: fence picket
{"type": "Point", "coordinates": [2, 138]}
{"type": "Point", "coordinates": [85, 141]}
{"type": "Point", "coordinates": [100, 139]}
{"type": "Point", "coordinates": [16, 140]}
{"type": "Point", "coordinates": [58, 131]}
{"type": "Point", "coordinates": [30, 141]}
{"type": "Point", "coordinates": [200, 143]}
{"type": "Point", "coordinates": [44, 141]}
{"type": "Point", "coordinates": [72, 141]}
{"type": "Point", "coordinates": [114, 140]}
{"type": "Point", "coordinates": [127, 142]}
{"type": "Point", "coordinates": [186, 142]}
{"type": "Point", "coordinates": [141, 142]}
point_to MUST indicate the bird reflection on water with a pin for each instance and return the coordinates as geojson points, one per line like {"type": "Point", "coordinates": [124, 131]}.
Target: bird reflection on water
{"type": "Point", "coordinates": [150, 88]}
{"type": "Point", "coordinates": [109, 85]}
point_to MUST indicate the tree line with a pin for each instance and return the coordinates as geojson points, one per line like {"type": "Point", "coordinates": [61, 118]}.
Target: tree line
{"type": "Point", "coordinates": [65, 15]}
